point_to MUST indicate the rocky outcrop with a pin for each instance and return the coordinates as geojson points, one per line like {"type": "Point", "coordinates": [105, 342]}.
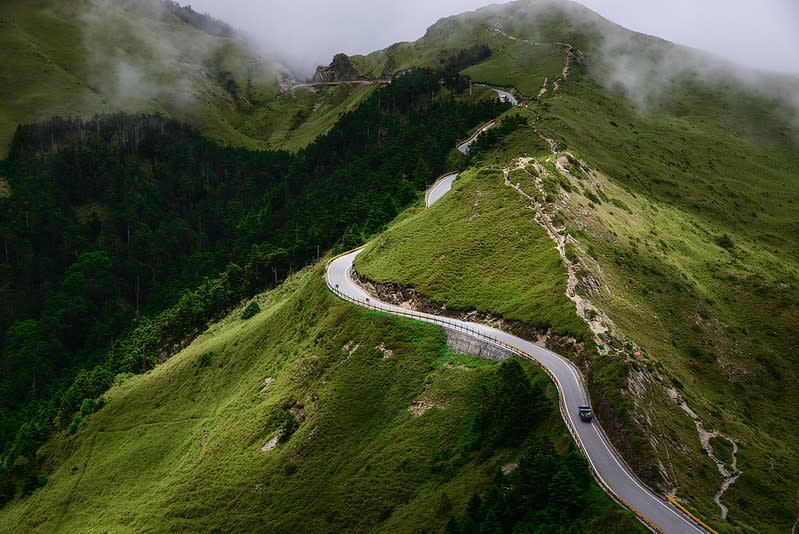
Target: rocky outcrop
{"type": "Point", "coordinates": [340, 69]}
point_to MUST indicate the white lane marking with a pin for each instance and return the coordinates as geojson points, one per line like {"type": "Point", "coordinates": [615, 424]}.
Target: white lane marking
{"type": "Point", "coordinates": [645, 491]}
{"type": "Point", "coordinates": [577, 381]}
{"type": "Point", "coordinates": [439, 183]}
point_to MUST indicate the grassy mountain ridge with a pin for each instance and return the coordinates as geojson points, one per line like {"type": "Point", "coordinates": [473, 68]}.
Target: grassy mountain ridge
{"type": "Point", "coordinates": [678, 206]}
{"type": "Point", "coordinates": [191, 445]}
{"type": "Point", "coordinates": [82, 58]}
{"type": "Point", "coordinates": [704, 271]}
{"type": "Point", "coordinates": [514, 62]}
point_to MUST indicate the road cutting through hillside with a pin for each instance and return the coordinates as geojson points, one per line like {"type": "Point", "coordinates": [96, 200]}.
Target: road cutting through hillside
{"type": "Point", "coordinates": [504, 96]}
{"type": "Point", "coordinates": [607, 465]}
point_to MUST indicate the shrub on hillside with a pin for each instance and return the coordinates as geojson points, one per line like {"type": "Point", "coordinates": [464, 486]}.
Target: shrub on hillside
{"type": "Point", "coordinates": [725, 242]}
{"type": "Point", "coordinates": [73, 427]}
{"type": "Point", "coordinates": [89, 406]}
{"type": "Point", "coordinates": [284, 421]}
{"type": "Point", "coordinates": [545, 493]}
{"type": "Point", "coordinates": [205, 359]}
{"type": "Point", "coordinates": [510, 408]}
{"type": "Point", "coordinates": [252, 309]}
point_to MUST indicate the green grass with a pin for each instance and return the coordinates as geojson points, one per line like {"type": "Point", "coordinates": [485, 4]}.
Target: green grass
{"type": "Point", "coordinates": [520, 65]}
{"type": "Point", "coordinates": [36, 83]}
{"type": "Point", "coordinates": [477, 248]}
{"type": "Point", "coordinates": [719, 322]}
{"type": "Point", "coordinates": [300, 117]}
{"type": "Point", "coordinates": [517, 143]}
{"type": "Point", "coordinates": [180, 448]}
{"type": "Point", "coordinates": [512, 63]}
{"type": "Point", "coordinates": [715, 318]}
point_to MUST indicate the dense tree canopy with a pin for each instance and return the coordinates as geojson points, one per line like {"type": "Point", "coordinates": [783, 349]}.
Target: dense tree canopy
{"type": "Point", "coordinates": [124, 235]}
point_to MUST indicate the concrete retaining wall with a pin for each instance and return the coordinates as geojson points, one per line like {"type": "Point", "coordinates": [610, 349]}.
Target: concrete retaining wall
{"type": "Point", "coordinates": [460, 343]}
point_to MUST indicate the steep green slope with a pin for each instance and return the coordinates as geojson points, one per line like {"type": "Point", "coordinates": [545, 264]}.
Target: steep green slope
{"type": "Point", "coordinates": [676, 206]}
{"type": "Point", "coordinates": [81, 58]}
{"type": "Point", "coordinates": [469, 251]}
{"type": "Point", "coordinates": [110, 221]}
{"type": "Point", "coordinates": [300, 116]}
{"type": "Point", "coordinates": [77, 59]}
{"type": "Point", "coordinates": [696, 239]}
{"type": "Point", "coordinates": [378, 418]}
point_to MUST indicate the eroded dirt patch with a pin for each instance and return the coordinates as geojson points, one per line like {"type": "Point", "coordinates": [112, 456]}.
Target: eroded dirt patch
{"type": "Point", "coordinates": [387, 353]}
{"type": "Point", "coordinates": [349, 348]}
{"type": "Point", "coordinates": [272, 443]}
{"type": "Point", "coordinates": [728, 475]}
{"type": "Point", "coordinates": [426, 401]}
{"type": "Point", "coordinates": [268, 380]}
{"type": "Point", "coordinates": [419, 407]}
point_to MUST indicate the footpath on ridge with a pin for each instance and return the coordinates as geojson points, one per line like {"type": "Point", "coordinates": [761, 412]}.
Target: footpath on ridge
{"type": "Point", "coordinates": [607, 465]}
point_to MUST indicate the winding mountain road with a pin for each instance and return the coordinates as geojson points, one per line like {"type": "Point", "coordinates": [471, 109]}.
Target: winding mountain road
{"type": "Point", "coordinates": [607, 466]}
{"type": "Point", "coordinates": [464, 147]}
{"type": "Point", "coordinates": [505, 97]}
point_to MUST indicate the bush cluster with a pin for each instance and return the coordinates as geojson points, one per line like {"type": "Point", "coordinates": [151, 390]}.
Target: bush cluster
{"type": "Point", "coordinates": [251, 310]}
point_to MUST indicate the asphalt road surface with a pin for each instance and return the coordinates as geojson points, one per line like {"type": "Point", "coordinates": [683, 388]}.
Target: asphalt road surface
{"type": "Point", "coordinates": [464, 147]}
{"type": "Point", "coordinates": [506, 97]}
{"type": "Point", "coordinates": [438, 189]}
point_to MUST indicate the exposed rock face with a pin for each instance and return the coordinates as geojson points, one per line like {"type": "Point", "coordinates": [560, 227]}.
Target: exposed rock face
{"type": "Point", "coordinates": [340, 69]}
{"type": "Point", "coordinates": [408, 298]}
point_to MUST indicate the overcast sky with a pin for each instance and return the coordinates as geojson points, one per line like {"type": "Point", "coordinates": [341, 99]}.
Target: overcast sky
{"type": "Point", "coordinates": [762, 33]}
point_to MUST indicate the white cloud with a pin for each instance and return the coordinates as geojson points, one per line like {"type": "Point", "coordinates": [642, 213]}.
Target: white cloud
{"type": "Point", "coordinates": [762, 34]}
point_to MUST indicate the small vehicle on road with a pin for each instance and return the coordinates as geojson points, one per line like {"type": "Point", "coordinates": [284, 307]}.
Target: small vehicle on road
{"type": "Point", "coordinates": [584, 412]}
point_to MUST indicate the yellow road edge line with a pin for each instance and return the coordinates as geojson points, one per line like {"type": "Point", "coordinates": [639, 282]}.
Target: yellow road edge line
{"type": "Point", "coordinates": [435, 183]}
{"type": "Point", "coordinates": [343, 254]}
{"type": "Point", "coordinates": [475, 134]}
{"type": "Point", "coordinates": [689, 514]}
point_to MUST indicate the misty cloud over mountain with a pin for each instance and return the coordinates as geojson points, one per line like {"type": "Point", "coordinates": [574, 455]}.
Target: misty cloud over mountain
{"type": "Point", "coordinates": [303, 34]}
{"type": "Point", "coordinates": [308, 33]}
{"type": "Point", "coordinates": [135, 55]}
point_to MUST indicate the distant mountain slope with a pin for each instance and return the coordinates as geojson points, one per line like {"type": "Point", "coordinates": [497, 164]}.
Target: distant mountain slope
{"type": "Point", "coordinates": [522, 35]}
{"type": "Point", "coordinates": [77, 58]}
{"type": "Point", "coordinates": [513, 62]}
